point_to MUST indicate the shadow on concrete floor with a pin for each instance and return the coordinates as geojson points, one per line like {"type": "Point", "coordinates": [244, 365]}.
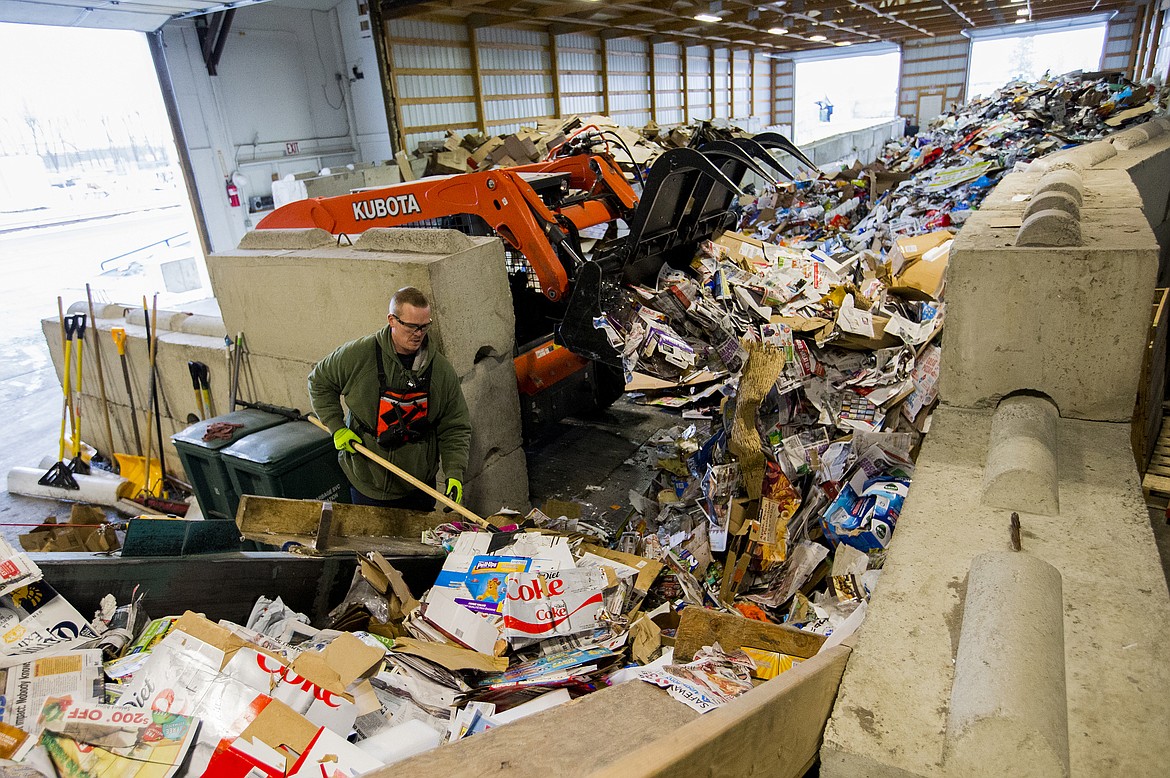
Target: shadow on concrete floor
{"type": "Point", "coordinates": [1162, 537]}
{"type": "Point", "coordinates": [595, 460]}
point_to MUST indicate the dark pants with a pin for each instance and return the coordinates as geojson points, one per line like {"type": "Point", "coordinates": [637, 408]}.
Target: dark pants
{"type": "Point", "coordinates": [417, 500]}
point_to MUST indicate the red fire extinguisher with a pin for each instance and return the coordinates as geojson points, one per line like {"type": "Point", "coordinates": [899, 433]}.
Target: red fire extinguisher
{"type": "Point", "coordinates": [233, 194]}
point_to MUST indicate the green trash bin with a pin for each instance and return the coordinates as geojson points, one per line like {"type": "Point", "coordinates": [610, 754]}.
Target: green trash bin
{"type": "Point", "coordinates": [203, 465]}
{"type": "Point", "coordinates": [295, 460]}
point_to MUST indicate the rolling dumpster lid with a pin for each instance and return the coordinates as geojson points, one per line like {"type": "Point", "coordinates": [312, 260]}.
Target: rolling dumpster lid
{"type": "Point", "coordinates": [252, 421]}
{"type": "Point", "coordinates": [279, 448]}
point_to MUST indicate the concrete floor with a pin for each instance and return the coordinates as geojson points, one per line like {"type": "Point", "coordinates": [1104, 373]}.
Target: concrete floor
{"type": "Point", "coordinates": [596, 459]}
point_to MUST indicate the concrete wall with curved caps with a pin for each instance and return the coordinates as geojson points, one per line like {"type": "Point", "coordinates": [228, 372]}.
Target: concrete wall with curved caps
{"type": "Point", "coordinates": [976, 659]}
{"type": "Point", "coordinates": [1072, 242]}
{"type": "Point", "coordinates": [296, 296]}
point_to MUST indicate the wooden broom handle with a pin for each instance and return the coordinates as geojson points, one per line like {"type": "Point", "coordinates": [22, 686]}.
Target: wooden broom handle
{"type": "Point", "coordinates": [410, 479]}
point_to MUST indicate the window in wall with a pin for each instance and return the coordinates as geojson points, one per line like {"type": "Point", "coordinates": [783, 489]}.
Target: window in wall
{"type": "Point", "coordinates": [998, 59]}
{"type": "Point", "coordinates": [840, 94]}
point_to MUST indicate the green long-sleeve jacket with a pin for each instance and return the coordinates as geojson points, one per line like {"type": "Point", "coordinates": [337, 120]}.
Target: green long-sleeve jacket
{"type": "Point", "coordinates": [350, 372]}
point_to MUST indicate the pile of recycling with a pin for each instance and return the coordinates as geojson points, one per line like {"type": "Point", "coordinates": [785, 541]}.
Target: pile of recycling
{"type": "Point", "coordinates": [801, 352]}
{"type": "Point", "coordinates": [518, 620]}
{"type": "Point", "coordinates": [630, 147]}
{"type": "Point", "coordinates": [934, 179]}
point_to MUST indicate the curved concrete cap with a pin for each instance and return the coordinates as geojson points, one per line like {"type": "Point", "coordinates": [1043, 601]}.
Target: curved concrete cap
{"type": "Point", "coordinates": [1009, 705]}
{"type": "Point", "coordinates": [1131, 138]}
{"type": "Point", "coordinates": [1054, 201]}
{"type": "Point", "coordinates": [1020, 474]}
{"type": "Point", "coordinates": [1154, 127]}
{"type": "Point", "coordinates": [1065, 180]}
{"type": "Point", "coordinates": [416, 241]}
{"type": "Point", "coordinates": [1049, 228]}
{"type": "Point", "coordinates": [168, 321]}
{"type": "Point", "coordinates": [100, 310]}
{"type": "Point", "coordinates": [198, 324]}
{"type": "Point", "coordinates": [1093, 153]}
{"type": "Point", "coordinates": [314, 238]}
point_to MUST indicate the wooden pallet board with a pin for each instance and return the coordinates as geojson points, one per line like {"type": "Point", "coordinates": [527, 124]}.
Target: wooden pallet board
{"type": "Point", "coordinates": [1156, 482]}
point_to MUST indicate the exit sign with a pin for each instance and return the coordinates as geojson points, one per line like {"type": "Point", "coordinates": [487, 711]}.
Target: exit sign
{"type": "Point", "coordinates": [292, 147]}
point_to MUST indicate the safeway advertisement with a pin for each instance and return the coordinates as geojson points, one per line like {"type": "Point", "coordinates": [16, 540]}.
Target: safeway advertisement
{"type": "Point", "coordinates": [558, 602]}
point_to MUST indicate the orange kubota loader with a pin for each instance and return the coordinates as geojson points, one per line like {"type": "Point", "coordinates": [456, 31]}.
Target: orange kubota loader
{"type": "Point", "coordinates": [560, 293]}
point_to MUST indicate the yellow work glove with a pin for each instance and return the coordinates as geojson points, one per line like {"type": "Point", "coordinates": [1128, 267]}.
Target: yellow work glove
{"type": "Point", "coordinates": [455, 490]}
{"type": "Point", "coordinates": [344, 439]}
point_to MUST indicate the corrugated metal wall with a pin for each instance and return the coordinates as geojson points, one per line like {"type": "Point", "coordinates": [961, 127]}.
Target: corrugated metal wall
{"type": "Point", "coordinates": [1161, 66]}
{"type": "Point", "coordinates": [433, 79]}
{"type": "Point", "coordinates": [516, 73]}
{"type": "Point", "coordinates": [443, 73]}
{"type": "Point", "coordinates": [668, 86]}
{"type": "Point", "coordinates": [698, 71]}
{"type": "Point", "coordinates": [741, 85]}
{"type": "Point", "coordinates": [1119, 40]}
{"type": "Point", "coordinates": [762, 89]}
{"type": "Point", "coordinates": [629, 81]}
{"type": "Point", "coordinates": [933, 68]}
{"type": "Point", "coordinates": [722, 64]}
{"type": "Point", "coordinates": [580, 72]}
{"type": "Point", "coordinates": [784, 86]}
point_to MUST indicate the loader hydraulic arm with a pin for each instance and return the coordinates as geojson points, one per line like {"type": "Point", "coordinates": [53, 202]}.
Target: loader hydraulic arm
{"type": "Point", "coordinates": [504, 199]}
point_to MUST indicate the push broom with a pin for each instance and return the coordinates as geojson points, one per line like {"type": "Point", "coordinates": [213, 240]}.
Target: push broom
{"type": "Point", "coordinates": [59, 482]}
{"type": "Point", "coordinates": [59, 475]}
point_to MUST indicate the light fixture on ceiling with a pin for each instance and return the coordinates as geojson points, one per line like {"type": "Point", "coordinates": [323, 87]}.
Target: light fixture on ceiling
{"type": "Point", "coordinates": [1020, 21]}
{"type": "Point", "coordinates": [709, 18]}
{"type": "Point", "coordinates": [1023, 12]}
{"type": "Point", "coordinates": [778, 30]}
{"type": "Point", "coordinates": [843, 43]}
{"type": "Point", "coordinates": [818, 38]}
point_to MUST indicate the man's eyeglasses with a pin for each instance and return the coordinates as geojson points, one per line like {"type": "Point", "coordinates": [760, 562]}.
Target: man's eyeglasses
{"type": "Point", "coordinates": [417, 328]}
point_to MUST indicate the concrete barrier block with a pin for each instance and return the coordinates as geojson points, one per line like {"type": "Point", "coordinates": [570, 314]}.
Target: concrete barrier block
{"type": "Point", "coordinates": [276, 381]}
{"type": "Point", "coordinates": [93, 432]}
{"type": "Point", "coordinates": [1009, 699]}
{"type": "Point", "coordinates": [1049, 227]}
{"type": "Point", "coordinates": [503, 483]}
{"type": "Point", "coordinates": [1146, 165]}
{"type": "Point", "coordinates": [330, 296]}
{"type": "Point", "coordinates": [1069, 182]}
{"type": "Point", "coordinates": [381, 175]}
{"type": "Point", "coordinates": [313, 238]}
{"type": "Point", "coordinates": [175, 350]}
{"type": "Point", "coordinates": [1069, 328]}
{"type": "Point", "coordinates": [1021, 457]}
{"type": "Point", "coordinates": [1131, 138]}
{"type": "Point", "coordinates": [163, 319]}
{"type": "Point", "coordinates": [340, 183]}
{"type": "Point", "coordinates": [1045, 200]}
{"type": "Point", "coordinates": [200, 324]}
{"type": "Point", "coordinates": [493, 402]}
{"type": "Point", "coordinates": [891, 712]}
{"type": "Point", "coordinates": [1101, 189]}
{"type": "Point", "coordinates": [400, 239]}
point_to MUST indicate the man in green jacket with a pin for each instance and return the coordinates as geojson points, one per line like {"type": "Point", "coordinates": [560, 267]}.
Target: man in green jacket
{"type": "Point", "coordinates": [404, 402]}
